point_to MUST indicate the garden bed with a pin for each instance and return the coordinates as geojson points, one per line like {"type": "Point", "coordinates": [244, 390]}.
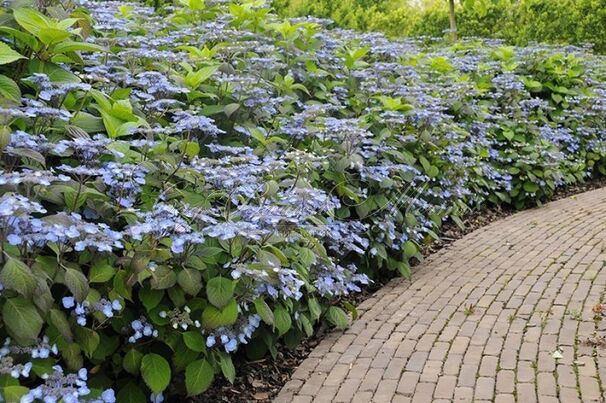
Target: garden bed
{"type": "Point", "coordinates": [184, 189]}
{"type": "Point", "coordinates": [262, 380]}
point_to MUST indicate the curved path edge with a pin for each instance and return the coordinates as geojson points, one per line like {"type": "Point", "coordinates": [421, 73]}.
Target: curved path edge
{"type": "Point", "coordinates": [508, 313]}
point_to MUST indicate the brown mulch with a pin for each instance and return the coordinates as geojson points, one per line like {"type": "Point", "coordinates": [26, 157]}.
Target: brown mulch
{"type": "Point", "coordinates": [260, 381]}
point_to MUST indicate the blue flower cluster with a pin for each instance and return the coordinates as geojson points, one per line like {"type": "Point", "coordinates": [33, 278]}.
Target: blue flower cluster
{"type": "Point", "coordinates": [68, 388]}
{"type": "Point", "coordinates": [142, 329]}
{"type": "Point", "coordinates": [82, 310]}
{"type": "Point", "coordinates": [231, 337]}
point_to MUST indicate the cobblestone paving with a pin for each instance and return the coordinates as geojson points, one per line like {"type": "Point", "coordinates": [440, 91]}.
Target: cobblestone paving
{"type": "Point", "coordinates": [502, 315]}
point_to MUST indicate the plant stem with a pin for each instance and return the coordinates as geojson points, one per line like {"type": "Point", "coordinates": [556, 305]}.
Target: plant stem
{"type": "Point", "coordinates": [453, 20]}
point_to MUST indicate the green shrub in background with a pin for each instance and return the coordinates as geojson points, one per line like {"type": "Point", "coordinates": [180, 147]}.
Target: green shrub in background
{"type": "Point", "coordinates": [518, 22]}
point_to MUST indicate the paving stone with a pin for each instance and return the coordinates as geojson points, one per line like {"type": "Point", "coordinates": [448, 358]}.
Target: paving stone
{"type": "Point", "coordinates": [445, 387]}
{"type": "Point", "coordinates": [417, 341]}
{"type": "Point", "coordinates": [485, 388]}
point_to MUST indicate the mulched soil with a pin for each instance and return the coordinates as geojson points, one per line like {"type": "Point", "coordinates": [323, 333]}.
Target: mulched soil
{"type": "Point", "coordinates": [260, 381]}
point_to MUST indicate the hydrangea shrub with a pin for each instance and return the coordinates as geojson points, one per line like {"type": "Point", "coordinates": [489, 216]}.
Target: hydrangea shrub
{"type": "Point", "coordinates": [179, 187]}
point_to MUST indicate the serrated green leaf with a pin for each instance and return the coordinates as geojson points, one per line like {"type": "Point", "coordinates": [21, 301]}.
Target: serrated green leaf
{"type": "Point", "coordinates": [77, 283]}
{"type": "Point", "coordinates": [314, 308]}
{"type": "Point", "coordinates": [337, 317]}
{"type": "Point", "coordinates": [131, 393]}
{"type": "Point", "coordinates": [17, 276]}
{"type": "Point", "coordinates": [22, 320]}
{"type": "Point", "coordinates": [132, 361]}
{"type": "Point", "coordinates": [73, 46]}
{"type": "Point", "coordinates": [8, 55]}
{"type": "Point", "coordinates": [213, 317]}
{"type": "Point", "coordinates": [194, 341]}
{"type": "Point", "coordinates": [31, 20]}
{"type": "Point", "coordinates": [163, 277]}
{"type": "Point", "coordinates": [87, 339]}
{"type": "Point", "coordinates": [190, 281]}
{"type": "Point", "coordinates": [530, 187]}
{"type": "Point", "coordinates": [264, 311]}
{"type": "Point", "coordinates": [156, 372]}
{"type": "Point", "coordinates": [71, 354]}
{"type": "Point", "coordinates": [101, 272]}
{"type": "Point", "coordinates": [9, 90]}
{"type": "Point", "coordinates": [282, 320]}
{"type": "Point", "coordinates": [306, 324]}
{"type": "Point", "coordinates": [220, 291]}
{"type": "Point", "coordinates": [410, 249]}
{"type": "Point", "coordinates": [227, 367]}
{"type": "Point", "coordinates": [150, 298]}
{"type": "Point", "coordinates": [14, 393]}
{"type": "Point", "coordinates": [58, 319]}
{"type": "Point", "coordinates": [198, 377]}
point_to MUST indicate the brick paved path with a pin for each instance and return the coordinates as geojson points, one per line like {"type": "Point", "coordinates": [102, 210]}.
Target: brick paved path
{"type": "Point", "coordinates": [481, 320]}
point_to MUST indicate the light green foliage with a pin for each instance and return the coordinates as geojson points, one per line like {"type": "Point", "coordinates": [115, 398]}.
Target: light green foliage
{"type": "Point", "coordinates": [518, 22]}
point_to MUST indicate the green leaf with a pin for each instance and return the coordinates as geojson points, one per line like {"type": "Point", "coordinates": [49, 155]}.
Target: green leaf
{"type": "Point", "coordinates": [131, 393]}
{"type": "Point", "coordinates": [194, 79]}
{"type": "Point", "coordinates": [72, 46]}
{"type": "Point", "coordinates": [190, 281]}
{"type": "Point", "coordinates": [87, 339]}
{"type": "Point", "coordinates": [150, 298]}
{"type": "Point", "coordinates": [57, 319]}
{"type": "Point", "coordinates": [112, 124]}
{"type": "Point", "coordinates": [122, 109]}
{"type": "Point", "coordinates": [73, 198]}
{"type": "Point", "coordinates": [9, 89]}
{"type": "Point", "coordinates": [314, 308]}
{"type": "Point", "coordinates": [410, 249]}
{"type": "Point", "coordinates": [191, 148]}
{"type": "Point", "coordinates": [156, 372]}
{"type": "Point", "coordinates": [264, 311]}
{"type": "Point", "coordinates": [306, 324]}
{"type": "Point", "coordinates": [101, 272]}
{"type": "Point", "coordinates": [194, 341]}
{"type": "Point", "coordinates": [120, 285]}
{"type": "Point", "coordinates": [72, 357]}
{"type": "Point", "coordinates": [404, 269]}
{"type": "Point", "coordinates": [282, 320]}
{"type": "Point", "coordinates": [14, 393]}
{"type": "Point", "coordinates": [209, 251]}
{"type": "Point", "coordinates": [54, 72]}
{"type": "Point", "coordinates": [8, 55]}
{"type": "Point", "coordinates": [163, 277]}
{"type": "Point", "coordinates": [24, 37]}
{"type": "Point", "coordinates": [458, 221]}
{"type": "Point", "coordinates": [77, 283]}
{"type": "Point", "coordinates": [88, 122]}
{"type": "Point", "coordinates": [31, 20]}
{"type": "Point", "coordinates": [508, 134]}
{"type": "Point", "coordinates": [213, 317]}
{"type": "Point", "coordinates": [198, 377]}
{"type": "Point", "coordinates": [337, 317]}
{"type": "Point", "coordinates": [17, 276]}
{"type": "Point", "coordinates": [22, 320]}
{"type": "Point", "coordinates": [352, 309]}
{"type": "Point", "coordinates": [231, 109]}
{"type": "Point", "coordinates": [227, 367]}
{"type": "Point", "coordinates": [531, 187]}
{"type": "Point", "coordinates": [132, 361]}
{"type": "Point", "coordinates": [220, 291]}
{"type": "Point", "coordinates": [52, 35]}
{"type": "Point", "coordinates": [42, 297]}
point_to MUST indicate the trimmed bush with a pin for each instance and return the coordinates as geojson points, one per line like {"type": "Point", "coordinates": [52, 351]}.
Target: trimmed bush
{"type": "Point", "coordinates": [521, 22]}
